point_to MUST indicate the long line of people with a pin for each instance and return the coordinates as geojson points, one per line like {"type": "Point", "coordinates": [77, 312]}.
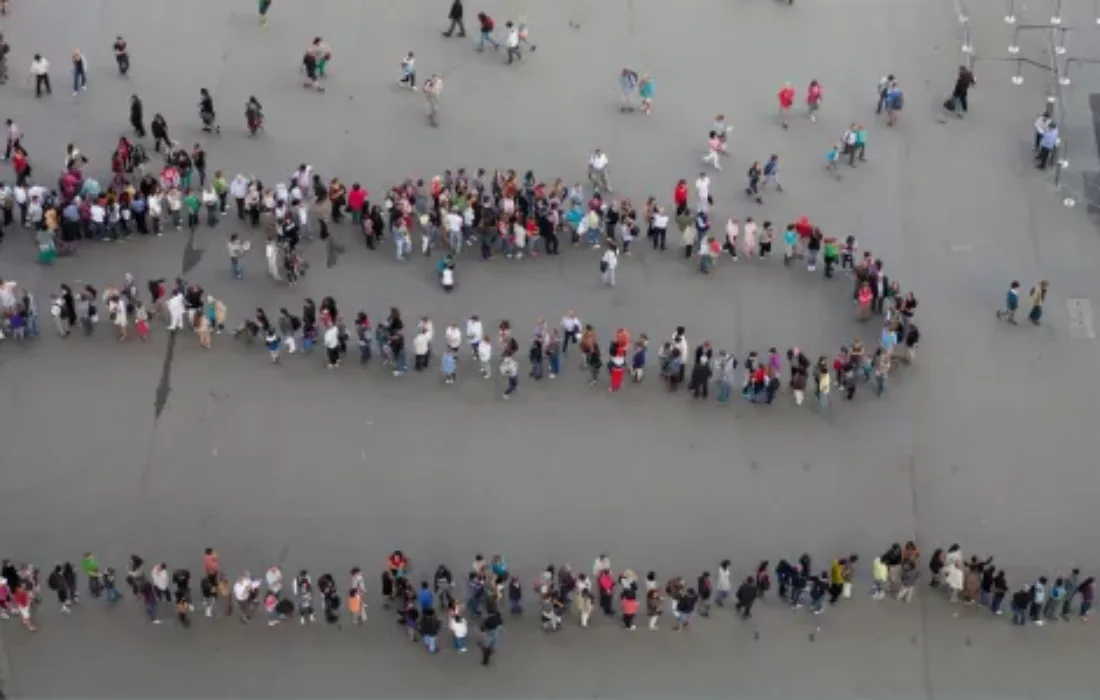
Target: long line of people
{"type": "Point", "coordinates": [491, 588]}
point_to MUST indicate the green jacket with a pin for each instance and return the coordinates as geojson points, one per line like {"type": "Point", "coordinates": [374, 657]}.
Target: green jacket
{"type": "Point", "coordinates": [192, 203]}
{"type": "Point", "coordinates": [220, 186]}
{"type": "Point", "coordinates": [90, 566]}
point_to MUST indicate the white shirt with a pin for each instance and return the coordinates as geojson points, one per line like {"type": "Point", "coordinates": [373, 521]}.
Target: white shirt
{"type": "Point", "coordinates": [303, 215]}
{"type": "Point", "coordinates": [611, 259]}
{"type": "Point", "coordinates": [274, 579]}
{"type": "Point", "coordinates": [420, 344]}
{"type": "Point", "coordinates": [732, 231]}
{"type": "Point", "coordinates": [513, 38]}
{"type": "Point", "coordinates": [7, 295]}
{"type": "Point", "coordinates": [20, 194]}
{"type": "Point", "coordinates": [459, 628]}
{"type": "Point", "coordinates": [208, 197]}
{"type": "Point", "coordinates": [98, 214]}
{"type": "Point", "coordinates": [281, 192]}
{"type": "Point", "coordinates": [154, 206]}
{"type": "Point", "coordinates": [453, 222]}
{"type": "Point", "coordinates": [332, 338]}
{"type": "Point", "coordinates": [474, 331]}
{"type": "Point", "coordinates": [239, 187]}
{"type": "Point", "coordinates": [448, 277]}
{"type": "Point", "coordinates": [660, 221]}
{"type": "Point", "coordinates": [13, 132]}
{"type": "Point", "coordinates": [571, 324]}
{"type": "Point", "coordinates": [702, 188]}
{"type": "Point", "coordinates": [428, 330]}
{"type": "Point", "coordinates": [484, 352]}
{"type": "Point", "coordinates": [241, 589]}
{"type": "Point", "coordinates": [40, 67]}
{"type": "Point", "coordinates": [453, 335]}
{"type": "Point", "coordinates": [597, 161]}
{"type": "Point", "coordinates": [160, 578]}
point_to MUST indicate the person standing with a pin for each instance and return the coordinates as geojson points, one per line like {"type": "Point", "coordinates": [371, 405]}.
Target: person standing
{"type": "Point", "coordinates": [136, 116]}
{"type": "Point", "coordinates": [455, 15]}
{"type": "Point", "coordinates": [608, 263]}
{"type": "Point", "coordinates": [1048, 142]}
{"type": "Point", "coordinates": [122, 55]}
{"type": "Point", "coordinates": [746, 596]}
{"type": "Point", "coordinates": [40, 69]}
{"type": "Point", "coordinates": [1038, 298]}
{"type": "Point", "coordinates": [80, 72]}
{"type": "Point", "coordinates": [433, 89]}
{"type": "Point", "coordinates": [597, 171]}
{"type": "Point", "coordinates": [509, 369]}
{"type": "Point", "coordinates": [408, 71]}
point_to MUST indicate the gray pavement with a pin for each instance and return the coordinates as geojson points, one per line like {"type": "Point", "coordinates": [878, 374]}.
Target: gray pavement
{"type": "Point", "coordinates": [988, 441]}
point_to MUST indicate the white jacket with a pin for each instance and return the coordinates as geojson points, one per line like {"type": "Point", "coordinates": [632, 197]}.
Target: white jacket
{"type": "Point", "coordinates": [459, 627]}
{"type": "Point", "coordinates": [611, 258]}
{"type": "Point", "coordinates": [485, 352]}
{"type": "Point", "coordinates": [474, 331]}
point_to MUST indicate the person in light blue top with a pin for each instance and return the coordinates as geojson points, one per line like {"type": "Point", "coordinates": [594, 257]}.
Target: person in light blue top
{"type": "Point", "coordinates": [1047, 144]}
{"type": "Point", "coordinates": [645, 93]}
{"type": "Point", "coordinates": [449, 365]}
{"type": "Point", "coordinates": [790, 240]}
{"type": "Point", "coordinates": [889, 339]}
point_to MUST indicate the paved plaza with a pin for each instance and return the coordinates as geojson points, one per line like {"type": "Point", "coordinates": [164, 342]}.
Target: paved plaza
{"type": "Point", "coordinates": [989, 440]}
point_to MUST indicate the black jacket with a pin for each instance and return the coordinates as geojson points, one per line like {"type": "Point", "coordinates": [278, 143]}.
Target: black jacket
{"type": "Point", "coordinates": [746, 594]}
{"type": "Point", "coordinates": [456, 10]}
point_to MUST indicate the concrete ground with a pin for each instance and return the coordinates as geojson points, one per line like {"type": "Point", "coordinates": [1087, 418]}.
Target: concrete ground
{"type": "Point", "coordinates": [987, 441]}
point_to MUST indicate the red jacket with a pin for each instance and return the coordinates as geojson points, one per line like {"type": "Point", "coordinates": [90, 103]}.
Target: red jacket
{"type": "Point", "coordinates": [356, 197]}
{"type": "Point", "coordinates": [680, 195]}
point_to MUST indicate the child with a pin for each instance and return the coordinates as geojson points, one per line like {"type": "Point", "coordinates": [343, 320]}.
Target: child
{"type": "Point", "coordinates": [790, 240]}
{"type": "Point", "coordinates": [271, 342]}
{"type": "Point", "coordinates": [832, 255]}
{"type": "Point", "coordinates": [271, 604]}
{"type": "Point", "coordinates": [714, 148]}
{"type": "Point", "coordinates": [515, 596]}
{"type": "Point", "coordinates": [848, 254]}
{"type": "Point", "coordinates": [535, 356]}
{"type": "Point", "coordinates": [447, 277]}
{"type": "Point", "coordinates": [637, 362]}
{"type": "Point", "coordinates": [767, 236]}
{"type": "Point", "coordinates": [355, 606]}
{"type": "Point", "coordinates": [141, 318]}
{"type": "Point", "coordinates": [449, 366]}
{"type": "Point", "coordinates": [553, 353]}
{"type": "Point", "coordinates": [831, 159]}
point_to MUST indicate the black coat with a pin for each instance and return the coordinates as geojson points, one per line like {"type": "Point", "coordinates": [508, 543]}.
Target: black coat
{"type": "Point", "coordinates": [456, 10]}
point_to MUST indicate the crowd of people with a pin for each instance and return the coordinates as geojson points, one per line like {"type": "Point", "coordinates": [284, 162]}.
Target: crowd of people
{"type": "Point", "coordinates": [759, 376]}
{"type": "Point", "coordinates": [491, 592]}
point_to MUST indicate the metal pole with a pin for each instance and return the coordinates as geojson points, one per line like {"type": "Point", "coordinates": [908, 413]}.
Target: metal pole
{"type": "Point", "coordinates": [1057, 18]}
{"type": "Point", "coordinates": [1010, 15]}
{"type": "Point", "coordinates": [1059, 105]}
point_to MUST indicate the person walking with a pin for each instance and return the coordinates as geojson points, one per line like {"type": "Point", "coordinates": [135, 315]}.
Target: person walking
{"type": "Point", "coordinates": [747, 593]}
{"type": "Point", "coordinates": [455, 16]}
{"type": "Point", "coordinates": [1012, 303]}
{"type": "Point", "coordinates": [1038, 298]}
{"type": "Point", "coordinates": [963, 82]}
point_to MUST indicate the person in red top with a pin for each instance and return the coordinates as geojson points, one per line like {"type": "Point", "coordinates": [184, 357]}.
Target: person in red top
{"type": "Point", "coordinates": [786, 101]}
{"type": "Point", "coordinates": [814, 94]}
{"type": "Point", "coordinates": [22, 601]}
{"type": "Point", "coordinates": [22, 165]}
{"type": "Point", "coordinates": [680, 194]}
{"type": "Point", "coordinates": [357, 197]}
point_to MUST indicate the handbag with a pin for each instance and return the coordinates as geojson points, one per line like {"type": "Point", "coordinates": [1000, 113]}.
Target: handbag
{"type": "Point", "coordinates": [846, 590]}
{"type": "Point", "coordinates": [603, 266]}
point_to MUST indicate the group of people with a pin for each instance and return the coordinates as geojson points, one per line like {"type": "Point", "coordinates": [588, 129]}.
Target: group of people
{"type": "Point", "coordinates": [758, 376]}
{"type": "Point", "coordinates": [491, 592]}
